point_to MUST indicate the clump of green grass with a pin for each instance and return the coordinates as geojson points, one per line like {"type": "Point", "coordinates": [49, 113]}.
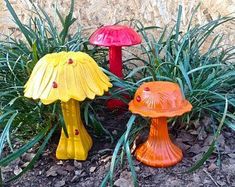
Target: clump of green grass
{"type": "Point", "coordinates": [23, 119]}
{"type": "Point", "coordinates": [206, 78]}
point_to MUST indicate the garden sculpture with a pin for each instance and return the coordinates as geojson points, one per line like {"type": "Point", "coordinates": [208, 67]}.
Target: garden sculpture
{"type": "Point", "coordinates": [115, 37]}
{"type": "Point", "coordinates": [159, 100]}
{"type": "Point", "coordinates": [69, 77]}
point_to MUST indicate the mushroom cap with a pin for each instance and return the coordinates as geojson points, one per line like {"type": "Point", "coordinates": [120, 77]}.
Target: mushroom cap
{"type": "Point", "coordinates": [159, 99]}
{"type": "Point", "coordinates": [66, 75]}
{"type": "Point", "coordinates": [115, 35]}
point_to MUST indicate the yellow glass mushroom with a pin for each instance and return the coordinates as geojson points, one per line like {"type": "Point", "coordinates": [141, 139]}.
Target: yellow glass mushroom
{"type": "Point", "coordinates": [69, 77]}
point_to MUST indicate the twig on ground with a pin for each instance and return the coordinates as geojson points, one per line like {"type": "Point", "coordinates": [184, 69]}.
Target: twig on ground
{"type": "Point", "coordinates": [213, 180]}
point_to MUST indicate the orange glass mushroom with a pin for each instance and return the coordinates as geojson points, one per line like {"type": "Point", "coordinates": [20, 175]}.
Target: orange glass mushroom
{"type": "Point", "coordinates": [159, 100]}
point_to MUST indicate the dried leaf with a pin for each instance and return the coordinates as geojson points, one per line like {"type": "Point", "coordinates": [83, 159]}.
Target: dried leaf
{"type": "Point", "coordinates": [28, 157]}
{"type": "Point", "coordinates": [195, 149]}
{"type": "Point", "coordinates": [92, 169]}
{"type": "Point", "coordinates": [60, 183]}
{"type": "Point", "coordinates": [77, 164]}
{"type": "Point", "coordinates": [212, 167]}
{"type": "Point", "coordinates": [52, 171]}
{"type": "Point", "coordinates": [121, 182]}
{"type": "Point", "coordinates": [17, 170]}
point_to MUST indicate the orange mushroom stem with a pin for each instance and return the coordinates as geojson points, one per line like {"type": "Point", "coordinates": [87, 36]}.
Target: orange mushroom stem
{"type": "Point", "coordinates": [158, 150]}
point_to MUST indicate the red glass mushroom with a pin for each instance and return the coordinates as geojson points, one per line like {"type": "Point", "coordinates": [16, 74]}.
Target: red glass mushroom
{"type": "Point", "coordinates": [115, 37]}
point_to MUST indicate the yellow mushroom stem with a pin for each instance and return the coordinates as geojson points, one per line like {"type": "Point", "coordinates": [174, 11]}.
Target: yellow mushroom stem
{"type": "Point", "coordinates": [79, 142]}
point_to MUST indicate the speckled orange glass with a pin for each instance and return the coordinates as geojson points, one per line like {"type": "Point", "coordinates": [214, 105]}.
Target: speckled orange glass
{"type": "Point", "coordinates": [159, 100]}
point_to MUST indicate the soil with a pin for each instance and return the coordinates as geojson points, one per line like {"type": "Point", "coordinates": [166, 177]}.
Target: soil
{"type": "Point", "coordinates": [48, 171]}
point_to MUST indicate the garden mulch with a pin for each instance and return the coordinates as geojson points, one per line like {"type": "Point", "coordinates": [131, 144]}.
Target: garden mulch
{"type": "Point", "coordinates": [217, 171]}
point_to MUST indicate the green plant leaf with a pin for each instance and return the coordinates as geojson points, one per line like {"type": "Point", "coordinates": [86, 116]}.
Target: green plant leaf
{"type": "Point", "coordinates": [208, 153]}
{"type": "Point", "coordinates": [28, 35]}
{"type": "Point", "coordinates": [130, 161]}
{"type": "Point", "coordinates": [36, 157]}
{"type": "Point", "coordinates": [5, 132]}
{"type": "Point", "coordinates": [5, 161]}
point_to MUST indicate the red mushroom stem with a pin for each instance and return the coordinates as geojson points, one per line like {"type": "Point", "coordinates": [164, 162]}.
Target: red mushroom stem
{"type": "Point", "coordinates": [158, 150]}
{"type": "Point", "coordinates": [115, 60]}
{"type": "Point", "coordinates": [115, 66]}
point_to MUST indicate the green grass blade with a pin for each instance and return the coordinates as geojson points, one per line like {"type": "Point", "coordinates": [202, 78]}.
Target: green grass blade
{"type": "Point", "coordinates": [23, 29]}
{"type": "Point", "coordinates": [6, 114]}
{"type": "Point", "coordinates": [134, 71]}
{"type": "Point", "coordinates": [120, 143]}
{"type": "Point", "coordinates": [69, 20]}
{"type": "Point", "coordinates": [129, 126]}
{"type": "Point", "coordinates": [107, 177]}
{"type": "Point", "coordinates": [212, 146]}
{"type": "Point", "coordinates": [130, 162]}
{"type": "Point", "coordinates": [177, 28]}
{"type": "Point", "coordinates": [5, 161]}
{"type": "Point", "coordinates": [186, 77]}
{"type": "Point", "coordinates": [36, 157]}
{"type": "Point", "coordinates": [114, 157]}
{"type": "Point", "coordinates": [205, 156]}
{"type": "Point", "coordinates": [5, 132]}
{"type": "Point", "coordinates": [204, 67]}
{"type": "Point", "coordinates": [60, 17]}
{"type": "Point", "coordinates": [62, 123]}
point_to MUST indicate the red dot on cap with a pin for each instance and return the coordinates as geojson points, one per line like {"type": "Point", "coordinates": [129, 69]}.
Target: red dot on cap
{"type": "Point", "coordinates": [70, 61]}
{"type": "Point", "coordinates": [54, 85]}
{"type": "Point", "coordinates": [138, 98]}
{"type": "Point", "coordinates": [76, 132]}
{"type": "Point", "coordinates": [146, 89]}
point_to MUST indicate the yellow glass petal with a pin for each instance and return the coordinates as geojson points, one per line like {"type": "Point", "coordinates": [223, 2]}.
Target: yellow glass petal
{"type": "Point", "coordinates": [46, 96]}
{"type": "Point", "coordinates": [76, 74]}
{"type": "Point", "coordinates": [46, 80]}
{"type": "Point", "coordinates": [82, 80]}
